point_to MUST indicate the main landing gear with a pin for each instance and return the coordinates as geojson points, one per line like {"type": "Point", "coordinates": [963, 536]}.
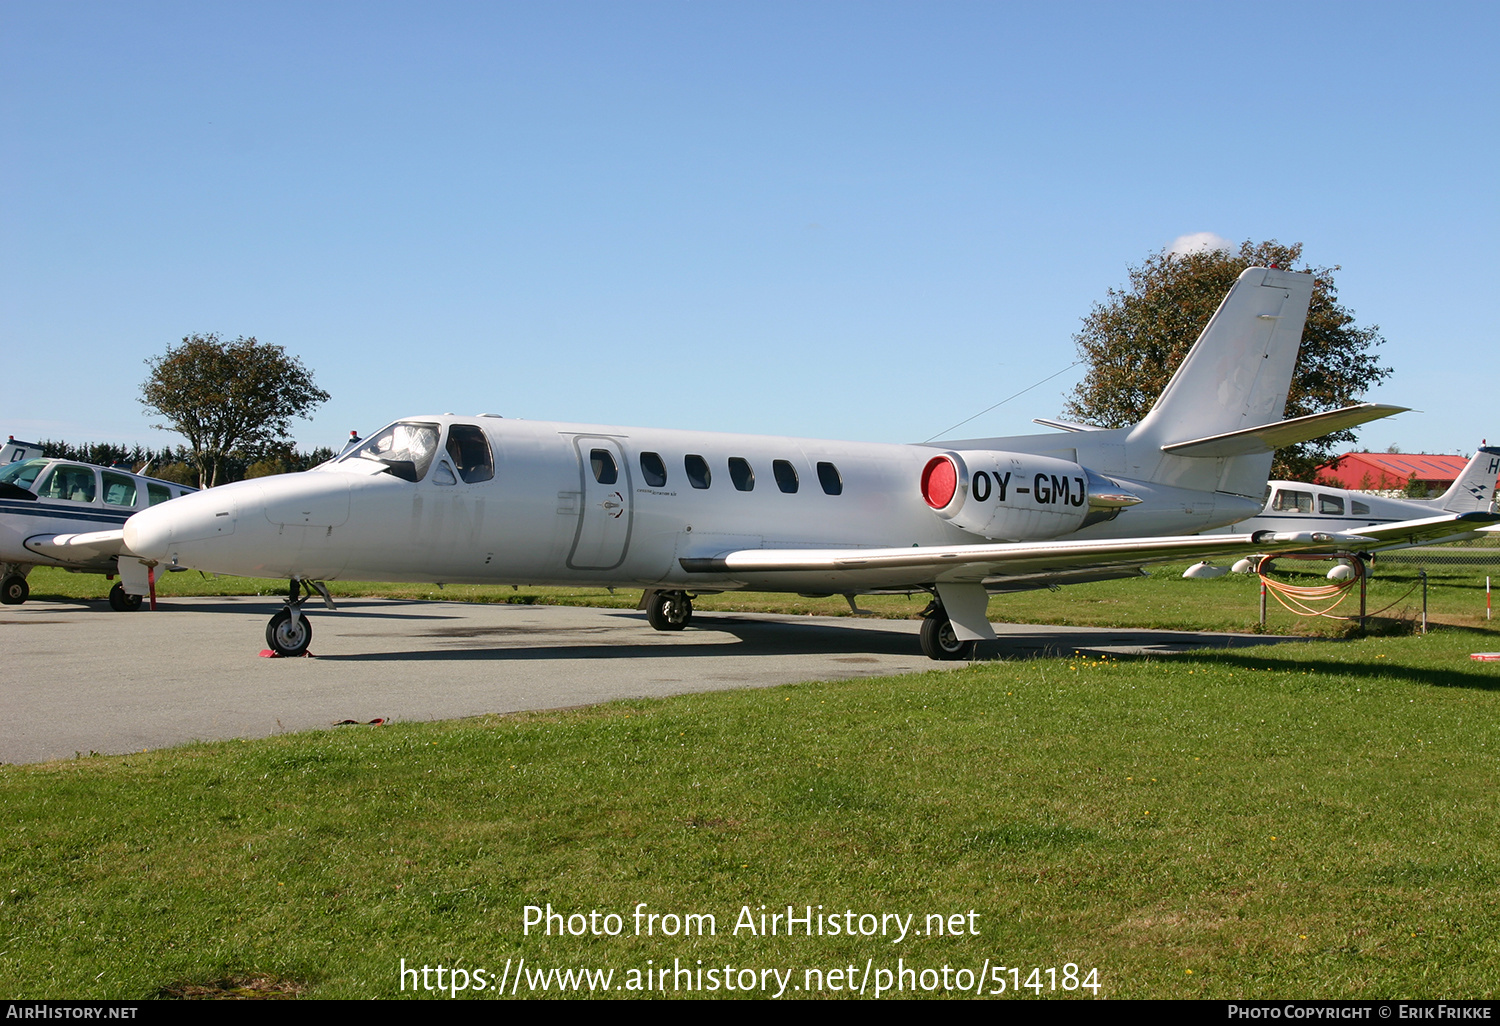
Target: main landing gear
{"type": "Point", "coordinates": [669, 610]}
{"type": "Point", "coordinates": [290, 632]}
{"type": "Point", "coordinates": [14, 589]}
{"type": "Point", "coordinates": [938, 639]}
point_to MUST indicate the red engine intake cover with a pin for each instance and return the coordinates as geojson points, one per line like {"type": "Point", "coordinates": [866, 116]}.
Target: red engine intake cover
{"type": "Point", "coordinates": [939, 481]}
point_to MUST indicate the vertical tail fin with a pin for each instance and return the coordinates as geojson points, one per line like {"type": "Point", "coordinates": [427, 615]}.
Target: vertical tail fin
{"type": "Point", "coordinates": [1236, 376]}
{"type": "Point", "coordinates": [1474, 490]}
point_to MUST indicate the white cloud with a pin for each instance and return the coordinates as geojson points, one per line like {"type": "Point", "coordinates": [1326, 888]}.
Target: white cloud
{"type": "Point", "coordinates": [1198, 241]}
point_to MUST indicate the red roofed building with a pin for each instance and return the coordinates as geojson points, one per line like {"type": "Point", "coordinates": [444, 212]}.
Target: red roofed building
{"type": "Point", "coordinates": [1390, 471]}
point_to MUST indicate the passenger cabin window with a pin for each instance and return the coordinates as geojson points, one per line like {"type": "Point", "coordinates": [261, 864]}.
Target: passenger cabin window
{"type": "Point", "coordinates": [741, 474]}
{"type": "Point", "coordinates": [697, 471]}
{"type": "Point", "coordinates": [75, 484]}
{"type": "Point", "coordinates": [119, 490]}
{"type": "Point", "coordinates": [653, 469]}
{"type": "Point", "coordinates": [406, 449]}
{"type": "Point", "coordinates": [1331, 505]}
{"type": "Point", "coordinates": [603, 464]}
{"type": "Point", "coordinates": [1292, 502]}
{"type": "Point", "coordinates": [786, 475]}
{"type": "Point", "coordinates": [828, 477]}
{"type": "Point", "coordinates": [157, 493]}
{"type": "Point", "coordinates": [469, 450]}
{"type": "Point", "coordinates": [1360, 509]}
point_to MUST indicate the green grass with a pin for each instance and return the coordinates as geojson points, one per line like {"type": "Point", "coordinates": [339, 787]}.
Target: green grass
{"type": "Point", "coordinates": [1314, 820]}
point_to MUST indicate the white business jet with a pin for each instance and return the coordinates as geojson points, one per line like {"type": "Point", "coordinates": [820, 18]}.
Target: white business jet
{"type": "Point", "coordinates": [677, 513]}
{"type": "Point", "coordinates": [69, 514]}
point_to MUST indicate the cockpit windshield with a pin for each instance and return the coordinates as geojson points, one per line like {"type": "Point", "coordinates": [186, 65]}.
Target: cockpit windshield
{"type": "Point", "coordinates": [405, 448]}
{"type": "Point", "coordinates": [23, 472]}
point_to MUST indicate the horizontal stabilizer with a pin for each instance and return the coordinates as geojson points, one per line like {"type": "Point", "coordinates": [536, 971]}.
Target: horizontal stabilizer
{"type": "Point", "coordinates": [1064, 425]}
{"type": "Point", "coordinates": [1269, 437]}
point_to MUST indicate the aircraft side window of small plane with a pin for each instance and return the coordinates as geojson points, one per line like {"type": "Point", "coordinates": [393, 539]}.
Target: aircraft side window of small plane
{"type": "Point", "coordinates": [406, 449]}
{"type": "Point", "coordinates": [442, 474]}
{"type": "Point", "coordinates": [605, 471]}
{"type": "Point", "coordinates": [697, 471]}
{"type": "Point", "coordinates": [470, 451]}
{"type": "Point", "coordinates": [23, 473]}
{"type": "Point", "coordinates": [1331, 504]}
{"type": "Point", "coordinates": [653, 469]}
{"type": "Point", "coordinates": [1360, 509]}
{"type": "Point", "coordinates": [829, 478]}
{"type": "Point", "coordinates": [75, 484]}
{"type": "Point", "coordinates": [741, 474]}
{"type": "Point", "coordinates": [786, 476]}
{"type": "Point", "coordinates": [157, 493]}
{"type": "Point", "coordinates": [119, 490]}
{"type": "Point", "coordinates": [1288, 501]}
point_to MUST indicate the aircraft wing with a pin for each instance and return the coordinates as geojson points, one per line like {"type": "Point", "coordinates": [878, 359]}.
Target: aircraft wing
{"type": "Point", "coordinates": [92, 547]}
{"type": "Point", "coordinates": [1426, 531]}
{"type": "Point", "coordinates": [975, 563]}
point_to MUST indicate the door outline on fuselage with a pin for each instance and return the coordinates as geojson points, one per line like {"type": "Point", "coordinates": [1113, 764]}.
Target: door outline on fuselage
{"type": "Point", "coordinates": [595, 516]}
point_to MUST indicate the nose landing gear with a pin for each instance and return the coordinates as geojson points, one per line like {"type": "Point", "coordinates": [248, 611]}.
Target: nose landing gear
{"type": "Point", "coordinates": [122, 601]}
{"type": "Point", "coordinates": [290, 632]}
{"type": "Point", "coordinates": [669, 610]}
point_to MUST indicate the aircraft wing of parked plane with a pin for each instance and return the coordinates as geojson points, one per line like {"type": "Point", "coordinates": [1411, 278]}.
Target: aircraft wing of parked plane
{"type": "Point", "coordinates": [678, 513]}
{"type": "Point", "coordinates": [1446, 527]}
{"type": "Point", "coordinates": [1462, 511]}
{"type": "Point", "coordinates": [72, 515]}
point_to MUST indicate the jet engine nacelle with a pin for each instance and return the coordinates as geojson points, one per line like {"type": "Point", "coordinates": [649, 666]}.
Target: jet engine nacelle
{"type": "Point", "coordinates": [1007, 496]}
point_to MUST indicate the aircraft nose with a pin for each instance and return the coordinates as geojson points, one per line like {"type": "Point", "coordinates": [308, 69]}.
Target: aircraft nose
{"type": "Point", "coordinates": [161, 532]}
{"type": "Point", "coordinates": [148, 533]}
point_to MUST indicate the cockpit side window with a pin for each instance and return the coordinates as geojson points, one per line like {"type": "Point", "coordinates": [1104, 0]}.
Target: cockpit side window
{"type": "Point", "coordinates": [470, 451]}
{"type": "Point", "coordinates": [1288, 501]}
{"type": "Point", "coordinates": [69, 482]}
{"type": "Point", "coordinates": [406, 448]}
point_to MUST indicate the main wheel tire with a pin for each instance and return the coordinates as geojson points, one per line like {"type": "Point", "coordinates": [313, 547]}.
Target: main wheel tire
{"type": "Point", "coordinates": [122, 601]}
{"type": "Point", "coordinates": [14, 589]}
{"type": "Point", "coordinates": [669, 610]}
{"type": "Point", "coordinates": [286, 638]}
{"type": "Point", "coordinates": [939, 641]}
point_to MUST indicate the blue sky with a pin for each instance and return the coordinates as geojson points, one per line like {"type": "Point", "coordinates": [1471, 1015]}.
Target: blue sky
{"type": "Point", "coordinates": [843, 220]}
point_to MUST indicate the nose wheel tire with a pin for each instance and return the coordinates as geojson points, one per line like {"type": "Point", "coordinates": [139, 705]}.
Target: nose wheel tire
{"type": "Point", "coordinates": [939, 641]}
{"type": "Point", "coordinates": [14, 589]}
{"type": "Point", "coordinates": [669, 610]}
{"type": "Point", "coordinates": [287, 638]}
{"type": "Point", "coordinates": [121, 601]}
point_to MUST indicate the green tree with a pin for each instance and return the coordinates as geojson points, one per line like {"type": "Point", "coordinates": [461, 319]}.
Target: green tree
{"type": "Point", "coordinates": [1134, 341]}
{"type": "Point", "coordinates": [235, 397]}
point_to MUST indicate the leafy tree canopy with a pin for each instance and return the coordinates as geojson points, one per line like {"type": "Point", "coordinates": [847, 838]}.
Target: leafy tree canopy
{"type": "Point", "coordinates": [1134, 341]}
{"type": "Point", "coordinates": [235, 397]}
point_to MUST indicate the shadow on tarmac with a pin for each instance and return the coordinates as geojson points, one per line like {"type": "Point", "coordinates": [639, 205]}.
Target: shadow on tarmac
{"type": "Point", "coordinates": [758, 637]}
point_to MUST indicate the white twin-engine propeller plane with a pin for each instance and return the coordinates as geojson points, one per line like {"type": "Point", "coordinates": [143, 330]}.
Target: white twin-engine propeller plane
{"type": "Point", "coordinates": [489, 500]}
